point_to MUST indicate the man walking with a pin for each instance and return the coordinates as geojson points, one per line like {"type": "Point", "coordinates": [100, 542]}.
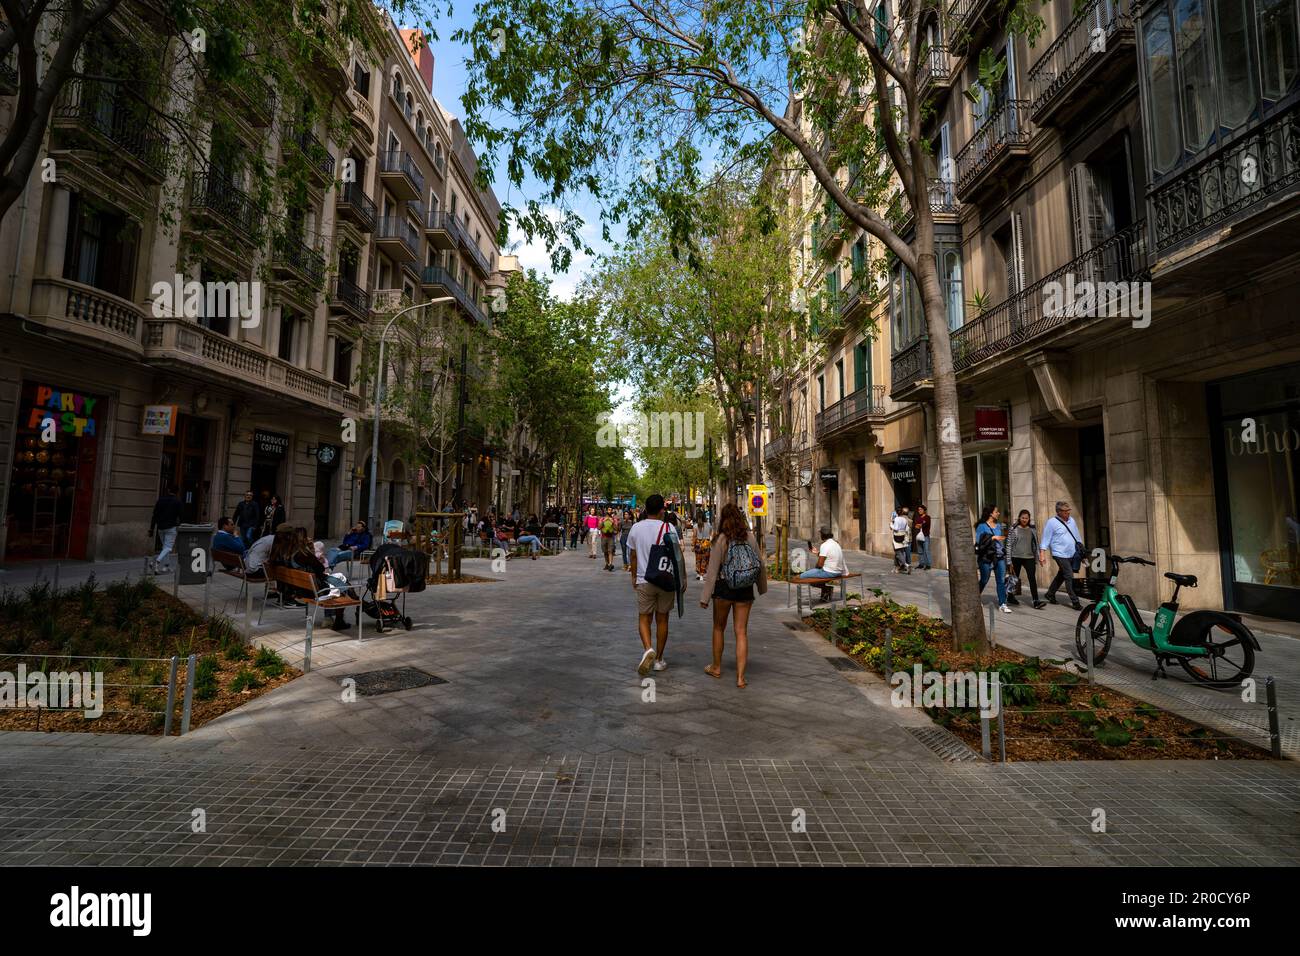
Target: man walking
{"type": "Point", "coordinates": [651, 600]}
{"type": "Point", "coordinates": [609, 537]}
{"type": "Point", "coordinates": [166, 516]}
{"type": "Point", "coordinates": [1061, 540]}
{"type": "Point", "coordinates": [247, 517]}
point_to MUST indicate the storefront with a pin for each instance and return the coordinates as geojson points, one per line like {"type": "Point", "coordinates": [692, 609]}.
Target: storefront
{"type": "Point", "coordinates": [1255, 433]}
{"type": "Point", "coordinates": [52, 485]}
{"type": "Point", "coordinates": [327, 466]}
{"type": "Point", "coordinates": [269, 452]}
{"type": "Point", "coordinates": [184, 465]}
{"type": "Point", "coordinates": [905, 480]}
{"type": "Point", "coordinates": [987, 459]}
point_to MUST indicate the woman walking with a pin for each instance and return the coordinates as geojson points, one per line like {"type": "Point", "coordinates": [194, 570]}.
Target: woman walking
{"type": "Point", "coordinates": [990, 546]}
{"type": "Point", "coordinates": [1022, 545]}
{"type": "Point", "coordinates": [737, 565]}
{"type": "Point", "coordinates": [273, 516]}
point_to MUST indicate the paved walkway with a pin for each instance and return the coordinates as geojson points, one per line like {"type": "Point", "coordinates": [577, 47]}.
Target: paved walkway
{"type": "Point", "coordinates": [542, 726]}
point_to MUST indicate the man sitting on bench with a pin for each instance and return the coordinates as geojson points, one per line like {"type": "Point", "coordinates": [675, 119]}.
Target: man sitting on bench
{"type": "Point", "coordinates": [830, 565]}
{"type": "Point", "coordinates": [227, 538]}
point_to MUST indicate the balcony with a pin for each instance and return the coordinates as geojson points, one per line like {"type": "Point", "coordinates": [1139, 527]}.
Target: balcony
{"type": "Point", "coordinates": [944, 209]}
{"type": "Point", "coordinates": [355, 206]}
{"type": "Point", "coordinates": [1232, 211]}
{"type": "Point", "coordinates": [257, 97]}
{"type": "Point", "coordinates": [1026, 317]}
{"type": "Point", "coordinates": [477, 260]}
{"type": "Point", "coordinates": [295, 260]}
{"type": "Point", "coordinates": [999, 148]}
{"type": "Point", "coordinates": [397, 238]}
{"type": "Point", "coordinates": [969, 19]}
{"type": "Point", "coordinates": [828, 234]}
{"type": "Point", "coordinates": [216, 200]}
{"type": "Point", "coordinates": [85, 312]}
{"type": "Point", "coordinates": [776, 448]}
{"type": "Point", "coordinates": [184, 345]}
{"type": "Point", "coordinates": [320, 164]}
{"type": "Point", "coordinates": [852, 413]}
{"type": "Point", "coordinates": [1073, 74]}
{"type": "Point", "coordinates": [438, 281]}
{"type": "Point", "coordinates": [363, 115]}
{"type": "Point", "coordinates": [935, 75]}
{"type": "Point", "coordinates": [442, 230]}
{"type": "Point", "coordinates": [330, 51]}
{"type": "Point", "coordinates": [910, 373]}
{"type": "Point", "coordinates": [107, 115]}
{"type": "Point", "coordinates": [348, 298]}
{"type": "Point", "coordinates": [399, 173]}
{"type": "Point", "coordinates": [852, 298]}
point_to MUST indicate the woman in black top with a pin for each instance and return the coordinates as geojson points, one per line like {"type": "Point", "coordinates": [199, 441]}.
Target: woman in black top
{"type": "Point", "coordinates": [295, 551]}
{"type": "Point", "coordinates": [732, 531]}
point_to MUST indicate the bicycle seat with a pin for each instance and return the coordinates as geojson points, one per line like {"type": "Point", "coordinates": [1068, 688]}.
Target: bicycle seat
{"type": "Point", "coordinates": [1182, 580]}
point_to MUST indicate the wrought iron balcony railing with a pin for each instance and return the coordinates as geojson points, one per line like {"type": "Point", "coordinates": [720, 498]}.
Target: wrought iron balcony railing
{"type": "Point", "coordinates": [351, 295]}
{"type": "Point", "coordinates": [362, 208]}
{"type": "Point", "coordinates": [400, 161]}
{"type": "Point", "coordinates": [400, 228]}
{"type": "Point", "coordinates": [1085, 40]}
{"type": "Point", "coordinates": [437, 275]}
{"type": "Point", "coordinates": [1006, 128]}
{"type": "Point", "coordinates": [852, 409]}
{"type": "Point", "coordinates": [1110, 267]}
{"type": "Point", "coordinates": [910, 365]}
{"type": "Point", "coordinates": [110, 109]}
{"type": "Point", "coordinates": [294, 254]}
{"type": "Point", "coordinates": [934, 71]}
{"type": "Point", "coordinates": [217, 195]}
{"type": "Point", "coordinates": [317, 156]}
{"type": "Point", "coordinates": [1235, 179]}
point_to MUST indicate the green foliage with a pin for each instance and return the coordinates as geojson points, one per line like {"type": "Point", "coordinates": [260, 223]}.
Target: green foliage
{"type": "Point", "coordinates": [205, 677]}
{"type": "Point", "coordinates": [268, 662]}
{"type": "Point", "coordinates": [1111, 733]}
{"type": "Point", "coordinates": [245, 680]}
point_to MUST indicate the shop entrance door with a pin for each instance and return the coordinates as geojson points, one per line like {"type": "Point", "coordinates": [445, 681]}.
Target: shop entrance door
{"type": "Point", "coordinates": [324, 497]}
{"type": "Point", "coordinates": [1094, 494]}
{"type": "Point", "coordinates": [185, 466]}
{"type": "Point", "coordinates": [860, 506]}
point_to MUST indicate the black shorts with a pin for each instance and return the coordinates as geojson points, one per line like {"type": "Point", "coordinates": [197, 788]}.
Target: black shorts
{"type": "Point", "coordinates": [725, 593]}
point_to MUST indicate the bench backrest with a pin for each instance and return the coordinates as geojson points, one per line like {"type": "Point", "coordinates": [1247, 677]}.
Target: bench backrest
{"type": "Point", "coordinates": [228, 558]}
{"type": "Point", "coordinates": [292, 577]}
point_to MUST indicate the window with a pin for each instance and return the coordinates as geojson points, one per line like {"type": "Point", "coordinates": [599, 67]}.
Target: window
{"type": "Point", "coordinates": [906, 318]}
{"type": "Point", "coordinates": [1197, 101]}
{"type": "Point", "coordinates": [343, 361]}
{"type": "Point", "coordinates": [1278, 42]}
{"type": "Point", "coordinates": [821, 393]}
{"type": "Point", "coordinates": [361, 79]}
{"type": "Point", "coordinates": [1238, 97]}
{"type": "Point", "coordinates": [1166, 144]}
{"type": "Point", "coordinates": [862, 365]}
{"type": "Point", "coordinates": [409, 107]}
{"type": "Point", "coordinates": [950, 278]}
{"type": "Point", "coordinates": [398, 93]}
{"type": "Point", "coordinates": [288, 323]}
{"type": "Point", "coordinates": [454, 200]}
{"type": "Point", "coordinates": [101, 248]}
{"type": "Point", "coordinates": [218, 319]}
{"type": "Point", "coordinates": [839, 377]}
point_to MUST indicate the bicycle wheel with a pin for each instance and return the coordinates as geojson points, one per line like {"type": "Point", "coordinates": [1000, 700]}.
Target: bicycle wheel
{"type": "Point", "coordinates": [1096, 626]}
{"type": "Point", "coordinates": [1231, 655]}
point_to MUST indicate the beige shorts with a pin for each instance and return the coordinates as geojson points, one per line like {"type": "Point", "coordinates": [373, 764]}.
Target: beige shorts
{"type": "Point", "coordinates": [651, 600]}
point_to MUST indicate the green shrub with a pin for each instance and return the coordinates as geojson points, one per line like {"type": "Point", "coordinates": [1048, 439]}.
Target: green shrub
{"type": "Point", "coordinates": [85, 595]}
{"type": "Point", "coordinates": [205, 677]}
{"type": "Point", "coordinates": [245, 680]}
{"type": "Point", "coordinates": [268, 662]}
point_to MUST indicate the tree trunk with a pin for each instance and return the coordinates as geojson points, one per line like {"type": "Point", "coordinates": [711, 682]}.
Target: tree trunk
{"type": "Point", "coordinates": [963, 578]}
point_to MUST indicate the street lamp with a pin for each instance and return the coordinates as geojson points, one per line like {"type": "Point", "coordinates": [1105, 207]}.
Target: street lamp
{"type": "Point", "coordinates": [379, 379]}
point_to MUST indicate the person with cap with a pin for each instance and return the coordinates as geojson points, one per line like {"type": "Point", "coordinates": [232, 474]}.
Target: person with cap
{"type": "Point", "coordinates": [830, 564]}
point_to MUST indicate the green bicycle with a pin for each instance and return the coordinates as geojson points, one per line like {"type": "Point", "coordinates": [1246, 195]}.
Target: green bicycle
{"type": "Point", "coordinates": [1213, 647]}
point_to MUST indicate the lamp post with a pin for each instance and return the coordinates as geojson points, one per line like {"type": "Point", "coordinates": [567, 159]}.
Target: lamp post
{"type": "Point", "coordinates": [379, 381]}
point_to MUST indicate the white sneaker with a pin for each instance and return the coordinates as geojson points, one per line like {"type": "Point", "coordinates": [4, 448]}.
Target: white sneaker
{"type": "Point", "coordinates": [647, 661]}
{"type": "Point", "coordinates": [1004, 609]}
{"type": "Point", "coordinates": [661, 665]}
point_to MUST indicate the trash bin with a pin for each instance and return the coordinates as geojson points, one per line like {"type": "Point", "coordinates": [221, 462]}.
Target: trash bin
{"type": "Point", "coordinates": [194, 552]}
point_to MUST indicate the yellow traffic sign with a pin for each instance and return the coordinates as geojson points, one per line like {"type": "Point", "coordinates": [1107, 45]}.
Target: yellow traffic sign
{"type": "Point", "coordinates": [757, 503]}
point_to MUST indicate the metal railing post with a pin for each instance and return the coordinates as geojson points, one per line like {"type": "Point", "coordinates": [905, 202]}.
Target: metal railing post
{"type": "Point", "coordinates": [1274, 734]}
{"type": "Point", "coordinates": [306, 654]}
{"type": "Point", "coordinates": [171, 699]}
{"type": "Point", "coordinates": [986, 747]}
{"type": "Point", "coordinates": [1002, 728]}
{"type": "Point", "coordinates": [188, 704]}
{"type": "Point", "coordinates": [1090, 653]}
{"type": "Point", "coordinates": [889, 654]}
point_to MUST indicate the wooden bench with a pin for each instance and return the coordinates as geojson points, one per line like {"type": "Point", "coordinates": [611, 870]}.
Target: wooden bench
{"type": "Point", "coordinates": [296, 582]}
{"type": "Point", "coordinates": [819, 583]}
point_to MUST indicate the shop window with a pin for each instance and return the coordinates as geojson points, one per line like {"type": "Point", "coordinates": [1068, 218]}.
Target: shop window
{"type": "Point", "coordinates": [343, 361]}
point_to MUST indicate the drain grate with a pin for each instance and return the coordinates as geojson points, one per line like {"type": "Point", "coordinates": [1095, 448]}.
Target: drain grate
{"type": "Point", "coordinates": [845, 664]}
{"type": "Point", "coordinates": [374, 683]}
{"type": "Point", "coordinates": [946, 744]}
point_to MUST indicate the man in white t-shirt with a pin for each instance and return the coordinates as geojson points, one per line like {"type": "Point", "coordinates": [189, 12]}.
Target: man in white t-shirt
{"type": "Point", "coordinates": [900, 528]}
{"type": "Point", "coordinates": [830, 564]}
{"type": "Point", "coordinates": [651, 601]}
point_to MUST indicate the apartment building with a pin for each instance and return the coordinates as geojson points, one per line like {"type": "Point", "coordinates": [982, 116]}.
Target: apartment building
{"type": "Point", "coordinates": [147, 385]}
{"type": "Point", "coordinates": [1148, 146]}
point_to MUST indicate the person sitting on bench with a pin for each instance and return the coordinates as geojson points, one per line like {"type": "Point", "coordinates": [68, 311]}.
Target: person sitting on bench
{"type": "Point", "coordinates": [830, 564]}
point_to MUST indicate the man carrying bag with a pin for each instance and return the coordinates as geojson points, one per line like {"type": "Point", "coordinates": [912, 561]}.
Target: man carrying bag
{"type": "Point", "coordinates": [1061, 540]}
{"type": "Point", "coordinates": [656, 566]}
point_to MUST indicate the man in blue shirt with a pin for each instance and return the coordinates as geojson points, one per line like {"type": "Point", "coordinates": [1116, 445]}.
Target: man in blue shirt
{"type": "Point", "coordinates": [228, 538]}
{"type": "Point", "coordinates": [1062, 541]}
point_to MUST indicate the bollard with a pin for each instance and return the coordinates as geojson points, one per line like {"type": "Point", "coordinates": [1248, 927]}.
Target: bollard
{"type": "Point", "coordinates": [992, 624]}
{"type": "Point", "coordinates": [1002, 729]}
{"type": "Point", "coordinates": [798, 596]}
{"type": "Point", "coordinates": [306, 654]}
{"type": "Point", "coordinates": [986, 747]}
{"type": "Point", "coordinates": [889, 654]}
{"type": "Point", "coordinates": [188, 703]}
{"type": "Point", "coordinates": [176, 581]}
{"type": "Point", "coordinates": [171, 699]}
{"type": "Point", "coordinates": [1274, 735]}
{"type": "Point", "coordinates": [1090, 651]}
{"type": "Point", "coordinates": [248, 611]}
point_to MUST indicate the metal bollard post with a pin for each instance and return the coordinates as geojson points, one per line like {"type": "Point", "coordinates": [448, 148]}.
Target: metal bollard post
{"type": "Point", "coordinates": [306, 654]}
{"type": "Point", "coordinates": [798, 596]}
{"type": "Point", "coordinates": [889, 654]}
{"type": "Point", "coordinates": [1274, 735]}
{"type": "Point", "coordinates": [1090, 652]}
{"type": "Point", "coordinates": [171, 699]}
{"type": "Point", "coordinates": [188, 703]}
{"type": "Point", "coordinates": [248, 612]}
{"type": "Point", "coordinates": [207, 585]}
{"type": "Point", "coordinates": [986, 747]}
{"type": "Point", "coordinates": [176, 580]}
{"type": "Point", "coordinates": [992, 624]}
{"type": "Point", "coordinates": [1002, 729]}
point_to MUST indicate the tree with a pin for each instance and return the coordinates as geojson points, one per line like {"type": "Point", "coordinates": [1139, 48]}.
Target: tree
{"type": "Point", "coordinates": [585, 93]}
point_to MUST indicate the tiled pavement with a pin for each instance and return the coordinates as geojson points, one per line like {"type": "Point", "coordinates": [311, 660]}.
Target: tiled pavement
{"type": "Point", "coordinates": [543, 720]}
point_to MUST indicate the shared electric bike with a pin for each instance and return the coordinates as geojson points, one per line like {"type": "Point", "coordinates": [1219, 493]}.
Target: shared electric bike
{"type": "Point", "coordinates": [1213, 647]}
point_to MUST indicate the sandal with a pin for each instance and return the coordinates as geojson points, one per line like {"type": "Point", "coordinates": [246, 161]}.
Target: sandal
{"type": "Point", "coordinates": [741, 683]}
{"type": "Point", "coordinates": [708, 669]}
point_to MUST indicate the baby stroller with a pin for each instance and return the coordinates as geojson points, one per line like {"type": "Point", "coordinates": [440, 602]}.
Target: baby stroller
{"type": "Point", "coordinates": [394, 570]}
